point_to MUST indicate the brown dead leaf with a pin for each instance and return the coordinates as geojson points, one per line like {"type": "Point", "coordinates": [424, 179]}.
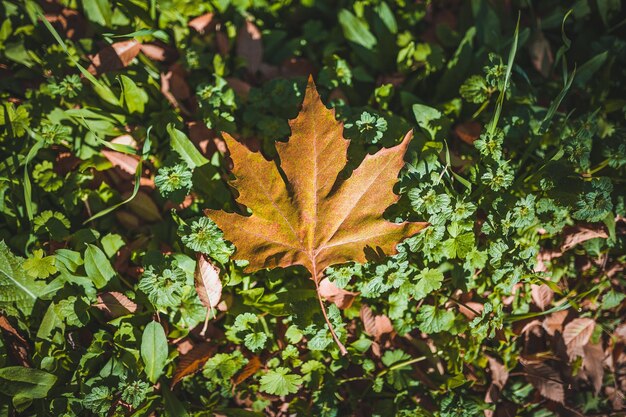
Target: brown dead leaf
{"type": "Point", "coordinates": [204, 23]}
{"type": "Point", "coordinates": [16, 345]}
{"type": "Point", "coordinates": [375, 326]}
{"type": "Point", "coordinates": [342, 298]}
{"type": "Point", "coordinates": [593, 369]}
{"type": "Point", "coordinates": [540, 53]}
{"type": "Point", "coordinates": [582, 233]}
{"type": "Point", "coordinates": [468, 131]}
{"type": "Point", "coordinates": [174, 86]}
{"type": "Point", "coordinates": [240, 87]}
{"type": "Point", "coordinates": [115, 304]}
{"type": "Point", "coordinates": [250, 46]}
{"type": "Point", "coordinates": [251, 368]}
{"type": "Point", "coordinates": [546, 380]}
{"type": "Point", "coordinates": [159, 52]}
{"type": "Point", "coordinates": [576, 335]}
{"type": "Point", "coordinates": [207, 282]}
{"type": "Point", "coordinates": [144, 206]}
{"type": "Point", "coordinates": [554, 322]}
{"type": "Point", "coordinates": [542, 295]}
{"type": "Point", "coordinates": [192, 361]}
{"type": "Point", "coordinates": [68, 22]}
{"type": "Point", "coordinates": [499, 376]}
{"type": "Point", "coordinates": [113, 57]}
{"type": "Point", "coordinates": [127, 163]}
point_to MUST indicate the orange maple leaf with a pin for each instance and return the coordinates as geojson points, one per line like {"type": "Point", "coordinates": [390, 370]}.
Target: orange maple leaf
{"type": "Point", "coordinates": [301, 213]}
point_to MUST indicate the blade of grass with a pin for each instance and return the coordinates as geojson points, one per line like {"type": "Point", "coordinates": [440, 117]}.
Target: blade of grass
{"type": "Point", "coordinates": [507, 77]}
{"type": "Point", "coordinates": [144, 154]}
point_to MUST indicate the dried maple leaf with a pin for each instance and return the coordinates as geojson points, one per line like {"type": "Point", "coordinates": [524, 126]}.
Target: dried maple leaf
{"type": "Point", "coordinates": [301, 213]}
{"type": "Point", "coordinates": [308, 219]}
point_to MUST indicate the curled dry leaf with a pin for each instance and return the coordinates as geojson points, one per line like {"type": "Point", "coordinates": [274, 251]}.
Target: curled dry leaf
{"type": "Point", "coordinates": [554, 322]}
{"type": "Point", "coordinates": [542, 295]}
{"type": "Point", "coordinates": [67, 21]}
{"type": "Point", "coordinates": [499, 376]}
{"type": "Point", "coordinates": [375, 326]}
{"type": "Point", "coordinates": [192, 361]}
{"type": "Point", "coordinates": [546, 380]}
{"type": "Point", "coordinates": [159, 52]}
{"type": "Point", "coordinates": [207, 282]}
{"type": "Point", "coordinates": [17, 346]}
{"type": "Point", "coordinates": [576, 335]}
{"type": "Point", "coordinates": [115, 56]}
{"type": "Point", "coordinates": [204, 23]}
{"type": "Point", "coordinates": [115, 304]}
{"type": "Point", "coordinates": [582, 233]}
{"type": "Point", "coordinates": [144, 207]}
{"type": "Point", "coordinates": [174, 86]}
{"type": "Point", "coordinates": [126, 163]}
{"type": "Point", "coordinates": [541, 53]}
{"type": "Point", "coordinates": [342, 298]}
{"type": "Point", "coordinates": [251, 368]}
{"type": "Point", "coordinates": [250, 46]}
{"type": "Point", "coordinates": [240, 87]}
{"type": "Point", "coordinates": [468, 131]}
{"type": "Point", "coordinates": [593, 369]}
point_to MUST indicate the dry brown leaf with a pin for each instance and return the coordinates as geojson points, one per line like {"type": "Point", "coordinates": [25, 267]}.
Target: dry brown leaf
{"type": "Point", "coordinates": [576, 335]}
{"type": "Point", "coordinates": [67, 21]}
{"type": "Point", "coordinates": [542, 295]}
{"type": "Point", "coordinates": [541, 53]}
{"type": "Point", "coordinates": [144, 207]}
{"type": "Point", "coordinates": [127, 163]}
{"type": "Point", "coordinates": [115, 56]}
{"type": "Point", "coordinates": [300, 214]}
{"type": "Point", "coordinates": [582, 233]}
{"type": "Point", "coordinates": [17, 346]}
{"type": "Point", "coordinates": [250, 46]}
{"type": "Point", "coordinates": [204, 23]}
{"type": "Point", "coordinates": [375, 326]}
{"type": "Point", "coordinates": [240, 87]}
{"type": "Point", "coordinates": [192, 361]}
{"type": "Point", "coordinates": [499, 376]}
{"type": "Point", "coordinates": [468, 131]}
{"type": "Point", "coordinates": [342, 298]}
{"type": "Point", "coordinates": [207, 282]}
{"type": "Point", "coordinates": [546, 380]}
{"type": "Point", "coordinates": [174, 86]}
{"type": "Point", "coordinates": [593, 369]}
{"type": "Point", "coordinates": [554, 322]}
{"type": "Point", "coordinates": [159, 52]}
{"type": "Point", "coordinates": [251, 368]}
{"type": "Point", "coordinates": [115, 304]}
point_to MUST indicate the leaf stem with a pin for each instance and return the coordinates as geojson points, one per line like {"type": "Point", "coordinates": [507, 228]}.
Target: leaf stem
{"type": "Point", "coordinates": [340, 345]}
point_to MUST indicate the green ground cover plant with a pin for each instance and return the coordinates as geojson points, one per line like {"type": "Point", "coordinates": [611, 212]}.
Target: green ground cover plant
{"type": "Point", "coordinates": [130, 136]}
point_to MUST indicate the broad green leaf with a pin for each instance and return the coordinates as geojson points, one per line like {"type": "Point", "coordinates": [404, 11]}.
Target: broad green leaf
{"type": "Point", "coordinates": [17, 289]}
{"type": "Point", "coordinates": [154, 350]}
{"type": "Point", "coordinates": [185, 148]}
{"type": "Point", "coordinates": [133, 97]}
{"type": "Point", "coordinates": [98, 11]}
{"type": "Point", "coordinates": [25, 382]}
{"type": "Point", "coordinates": [435, 319]}
{"type": "Point", "coordinates": [280, 382]}
{"type": "Point", "coordinates": [429, 280]}
{"type": "Point", "coordinates": [97, 266]}
{"type": "Point", "coordinates": [111, 243]}
{"type": "Point", "coordinates": [356, 30]}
